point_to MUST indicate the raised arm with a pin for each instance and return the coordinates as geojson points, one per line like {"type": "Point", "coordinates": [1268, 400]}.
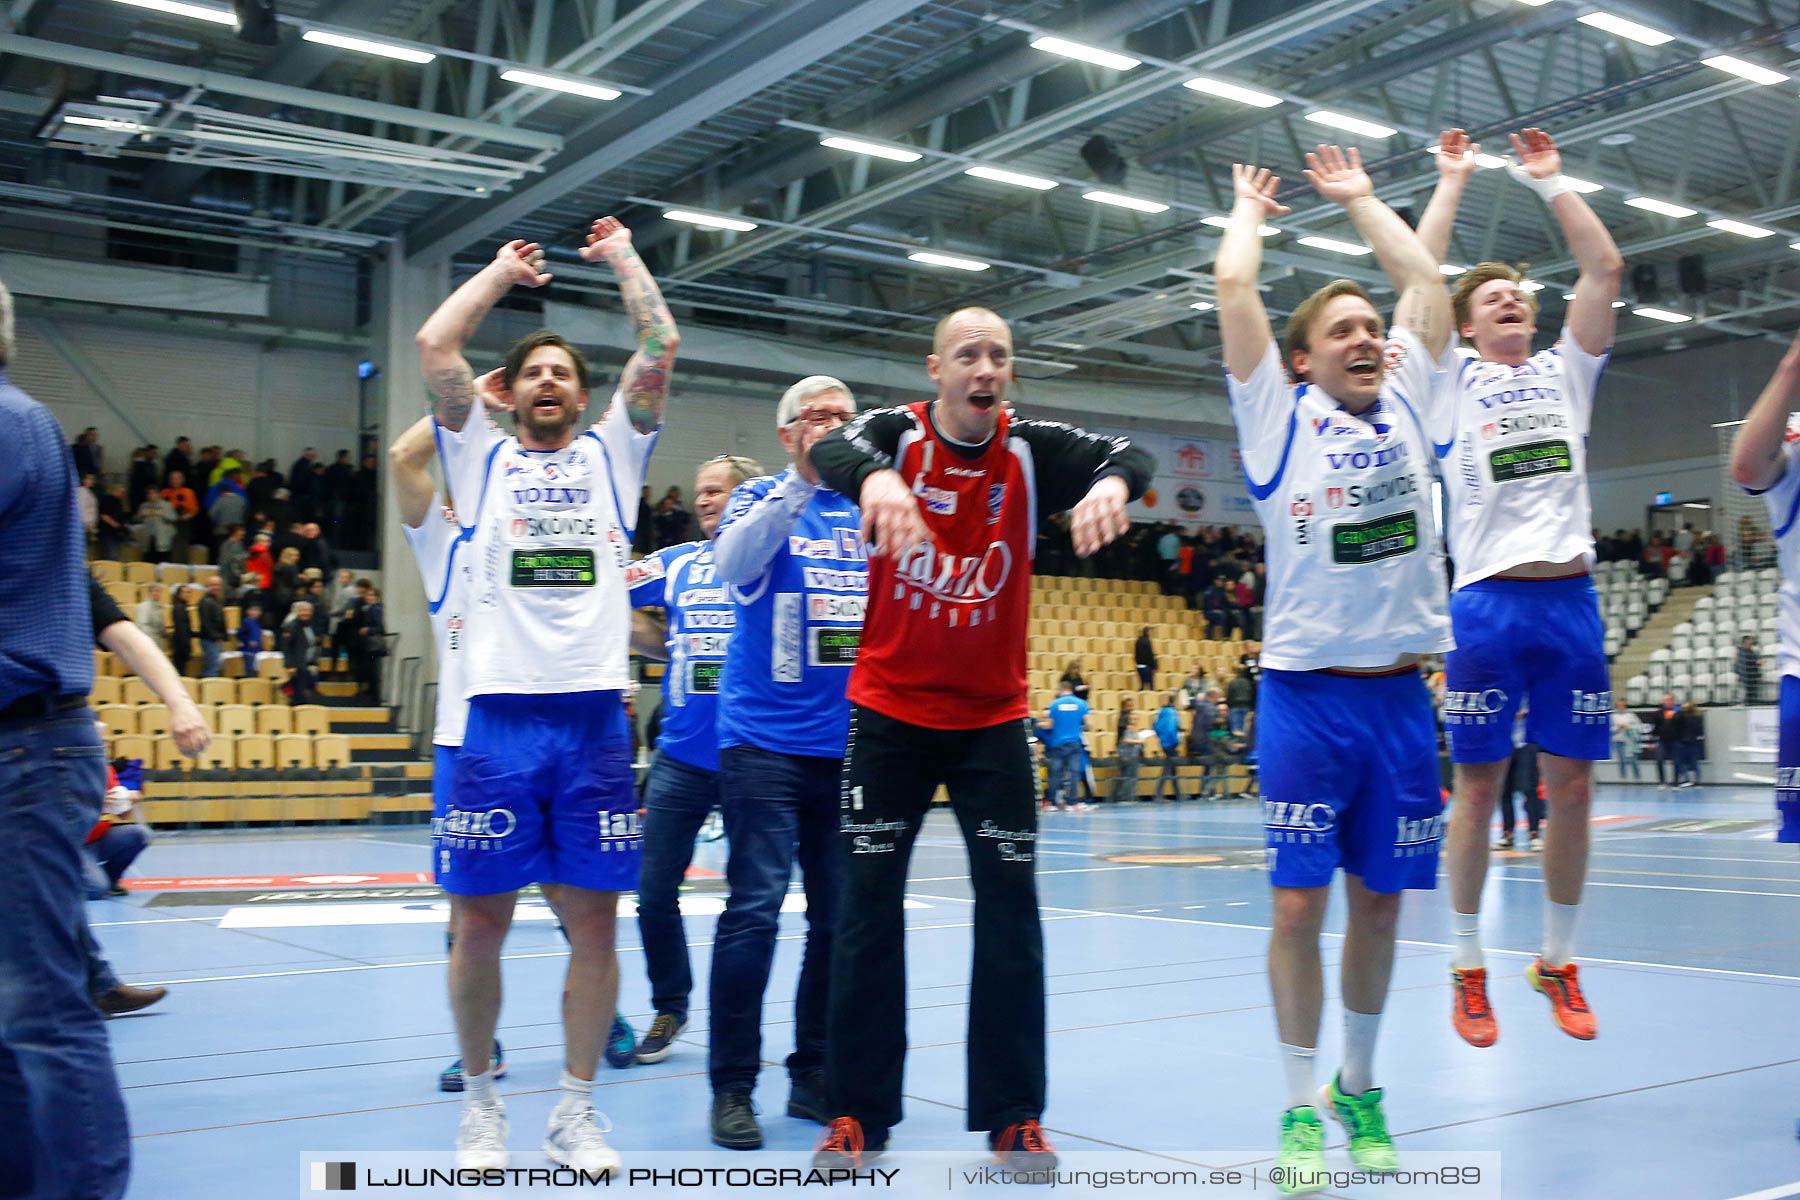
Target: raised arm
{"type": "Point", "coordinates": [142, 657]}
{"type": "Point", "coordinates": [1424, 306]}
{"type": "Point", "coordinates": [1455, 164]}
{"type": "Point", "coordinates": [1243, 321]}
{"type": "Point", "coordinates": [645, 383]}
{"type": "Point", "coordinates": [409, 461]}
{"type": "Point", "coordinates": [1591, 317]}
{"type": "Point", "coordinates": [858, 460]}
{"type": "Point", "coordinates": [442, 338]}
{"type": "Point", "coordinates": [1757, 461]}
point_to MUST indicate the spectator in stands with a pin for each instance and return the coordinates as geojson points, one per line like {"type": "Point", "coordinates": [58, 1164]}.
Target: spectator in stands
{"type": "Point", "coordinates": [176, 462]}
{"type": "Point", "coordinates": [225, 501]}
{"type": "Point", "coordinates": [1067, 718]}
{"type": "Point", "coordinates": [1130, 750]}
{"type": "Point", "coordinates": [301, 480]}
{"type": "Point", "coordinates": [250, 635]}
{"type": "Point", "coordinates": [259, 566]}
{"type": "Point", "coordinates": [1219, 617]}
{"type": "Point", "coordinates": [1666, 725]}
{"type": "Point", "coordinates": [338, 482]}
{"type": "Point", "coordinates": [277, 510]}
{"type": "Point", "coordinates": [87, 504]}
{"type": "Point", "coordinates": [321, 613]}
{"type": "Point", "coordinates": [373, 633]}
{"type": "Point", "coordinates": [1689, 745]}
{"type": "Point", "coordinates": [149, 614]}
{"type": "Point", "coordinates": [365, 499]}
{"type": "Point", "coordinates": [1194, 686]}
{"type": "Point", "coordinates": [155, 526]}
{"type": "Point", "coordinates": [1684, 541]}
{"type": "Point", "coordinates": [341, 592]}
{"type": "Point", "coordinates": [142, 477]}
{"type": "Point", "coordinates": [1072, 677]}
{"type": "Point", "coordinates": [185, 505]}
{"type": "Point", "coordinates": [87, 451]}
{"type": "Point", "coordinates": [260, 488]}
{"type": "Point", "coordinates": [672, 519]}
{"type": "Point", "coordinates": [232, 460]}
{"type": "Point", "coordinates": [315, 555]}
{"type": "Point", "coordinates": [1168, 736]}
{"type": "Point", "coordinates": [117, 838]}
{"type": "Point", "coordinates": [1221, 750]}
{"type": "Point", "coordinates": [1749, 670]}
{"type": "Point", "coordinates": [181, 629]}
{"type": "Point", "coordinates": [1240, 693]}
{"type": "Point", "coordinates": [202, 475]}
{"type": "Point", "coordinates": [113, 529]}
{"type": "Point", "coordinates": [1253, 615]}
{"type": "Point", "coordinates": [346, 640]}
{"type": "Point", "coordinates": [213, 635]}
{"type": "Point", "coordinates": [233, 553]}
{"type": "Point", "coordinates": [299, 646]}
{"type": "Point", "coordinates": [1127, 719]}
{"type": "Point", "coordinates": [1145, 654]}
{"type": "Point", "coordinates": [643, 538]}
{"type": "Point", "coordinates": [1168, 552]}
{"type": "Point", "coordinates": [286, 585]}
{"type": "Point", "coordinates": [1627, 740]}
{"type": "Point", "coordinates": [1206, 706]}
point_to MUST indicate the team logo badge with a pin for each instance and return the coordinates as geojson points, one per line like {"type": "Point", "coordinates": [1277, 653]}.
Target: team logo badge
{"type": "Point", "coordinates": [1334, 497]}
{"type": "Point", "coordinates": [995, 500]}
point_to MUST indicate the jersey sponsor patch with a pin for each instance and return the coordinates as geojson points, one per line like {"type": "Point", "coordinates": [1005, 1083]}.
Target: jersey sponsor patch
{"type": "Point", "coordinates": [832, 647]}
{"type": "Point", "coordinates": [705, 645]}
{"type": "Point", "coordinates": [836, 608]}
{"type": "Point", "coordinates": [941, 501]}
{"type": "Point", "coordinates": [553, 568]}
{"type": "Point", "coordinates": [1353, 544]}
{"type": "Point", "coordinates": [703, 678]}
{"type": "Point", "coordinates": [555, 527]}
{"type": "Point", "coordinates": [786, 631]}
{"type": "Point", "coordinates": [1531, 460]}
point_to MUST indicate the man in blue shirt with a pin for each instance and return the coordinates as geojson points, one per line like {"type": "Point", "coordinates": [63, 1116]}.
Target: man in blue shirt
{"type": "Point", "coordinates": [63, 1130]}
{"type": "Point", "coordinates": [1068, 716]}
{"type": "Point", "coordinates": [683, 787]}
{"type": "Point", "coordinates": [1168, 736]}
{"type": "Point", "coordinates": [792, 551]}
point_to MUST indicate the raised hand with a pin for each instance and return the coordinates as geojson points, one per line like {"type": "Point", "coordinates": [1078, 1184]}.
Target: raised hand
{"type": "Point", "coordinates": [1256, 183]}
{"type": "Point", "coordinates": [891, 523]}
{"type": "Point", "coordinates": [1337, 178]}
{"type": "Point", "coordinates": [1537, 154]}
{"type": "Point", "coordinates": [607, 239]}
{"type": "Point", "coordinates": [522, 263]}
{"type": "Point", "coordinates": [492, 390]}
{"type": "Point", "coordinates": [1456, 154]}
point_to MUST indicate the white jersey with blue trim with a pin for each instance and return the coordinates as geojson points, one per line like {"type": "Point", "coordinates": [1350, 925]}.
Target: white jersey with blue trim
{"type": "Point", "coordinates": [1783, 500]}
{"type": "Point", "coordinates": [1513, 441]}
{"type": "Point", "coordinates": [550, 539]}
{"type": "Point", "coordinates": [438, 548]}
{"type": "Point", "coordinates": [1355, 567]}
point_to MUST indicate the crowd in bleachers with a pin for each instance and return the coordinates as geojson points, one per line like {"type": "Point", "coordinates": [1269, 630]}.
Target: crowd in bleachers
{"type": "Point", "coordinates": [1726, 653]}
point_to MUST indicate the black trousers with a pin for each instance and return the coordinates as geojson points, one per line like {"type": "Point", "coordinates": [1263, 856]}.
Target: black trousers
{"type": "Point", "coordinates": [891, 772]}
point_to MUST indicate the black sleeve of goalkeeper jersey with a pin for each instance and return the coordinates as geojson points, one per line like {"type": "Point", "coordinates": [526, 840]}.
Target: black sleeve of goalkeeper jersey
{"type": "Point", "coordinates": [1069, 461]}
{"type": "Point", "coordinates": [847, 456]}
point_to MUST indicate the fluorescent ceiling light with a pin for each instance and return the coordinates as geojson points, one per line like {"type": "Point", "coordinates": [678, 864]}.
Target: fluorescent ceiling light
{"type": "Point", "coordinates": [1741, 229]}
{"type": "Point", "coordinates": [557, 83]}
{"type": "Point", "coordinates": [708, 220]}
{"type": "Point", "coordinates": [108, 123]}
{"type": "Point", "coordinates": [1745, 70]}
{"type": "Point", "coordinates": [856, 146]}
{"type": "Point", "coordinates": [1202, 306]}
{"type": "Point", "coordinates": [1794, 245]}
{"type": "Point", "coordinates": [1231, 91]}
{"type": "Point", "coordinates": [1225, 223]}
{"type": "Point", "coordinates": [1662, 314]}
{"type": "Point", "coordinates": [1660, 206]}
{"type": "Point", "coordinates": [1118, 201]}
{"type": "Point", "coordinates": [1492, 162]}
{"type": "Point", "coordinates": [220, 16]}
{"type": "Point", "coordinates": [947, 260]}
{"type": "Point", "coordinates": [365, 46]}
{"type": "Point", "coordinates": [1325, 243]}
{"type": "Point", "coordinates": [1089, 54]}
{"type": "Point", "coordinates": [1450, 269]}
{"type": "Point", "coordinates": [1626, 29]}
{"type": "Point", "coordinates": [1582, 185]}
{"type": "Point", "coordinates": [1531, 285]}
{"type": "Point", "coordinates": [1325, 116]}
{"type": "Point", "coordinates": [1013, 177]}
{"type": "Point", "coordinates": [1535, 3]}
{"type": "Point", "coordinates": [1615, 303]}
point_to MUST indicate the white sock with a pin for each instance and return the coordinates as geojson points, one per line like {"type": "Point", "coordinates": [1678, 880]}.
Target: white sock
{"type": "Point", "coordinates": [1358, 1073]}
{"type": "Point", "coordinates": [1297, 1062]}
{"type": "Point", "coordinates": [1467, 927]}
{"type": "Point", "coordinates": [1559, 932]}
{"type": "Point", "coordinates": [480, 1088]}
{"type": "Point", "coordinates": [576, 1092]}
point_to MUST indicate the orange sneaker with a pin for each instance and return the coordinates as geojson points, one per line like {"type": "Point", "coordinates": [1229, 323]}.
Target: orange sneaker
{"type": "Point", "coordinates": [1567, 1005]}
{"type": "Point", "coordinates": [1471, 1015]}
{"type": "Point", "coordinates": [844, 1144]}
{"type": "Point", "coordinates": [1023, 1147]}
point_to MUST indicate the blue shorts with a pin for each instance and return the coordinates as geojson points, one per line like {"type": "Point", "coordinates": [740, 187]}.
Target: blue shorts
{"type": "Point", "coordinates": [1535, 640]}
{"type": "Point", "coordinates": [443, 778]}
{"type": "Point", "coordinates": [1349, 779]}
{"type": "Point", "coordinates": [1787, 769]}
{"type": "Point", "coordinates": [543, 793]}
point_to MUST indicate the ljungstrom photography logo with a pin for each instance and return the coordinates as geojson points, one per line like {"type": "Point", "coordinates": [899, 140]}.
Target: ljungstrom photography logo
{"type": "Point", "coordinates": [333, 1177]}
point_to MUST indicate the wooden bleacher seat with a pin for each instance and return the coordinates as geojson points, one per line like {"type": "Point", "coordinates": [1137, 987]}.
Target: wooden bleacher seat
{"type": "Point", "coordinates": [218, 691]}
{"type": "Point", "coordinates": [273, 719]}
{"type": "Point", "coordinates": [257, 691]}
{"type": "Point", "coordinates": [131, 745]}
{"type": "Point", "coordinates": [118, 718]}
{"type": "Point", "coordinates": [107, 571]}
{"type": "Point", "coordinates": [271, 668]}
{"type": "Point", "coordinates": [294, 750]}
{"type": "Point", "coordinates": [140, 572]}
{"type": "Point", "coordinates": [220, 756]}
{"type": "Point", "coordinates": [236, 719]}
{"type": "Point", "coordinates": [136, 691]}
{"type": "Point", "coordinates": [168, 758]}
{"type": "Point", "coordinates": [255, 750]}
{"type": "Point", "coordinates": [197, 556]}
{"type": "Point", "coordinates": [170, 574]}
{"type": "Point", "coordinates": [153, 720]}
{"type": "Point", "coordinates": [311, 719]}
{"type": "Point", "coordinates": [232, 667]}
{"type": "Point", "coordinates": [124, 595]}
{"type": "Point", "coordinates": [192, 686]}
{"type": "Point", "coordinates": [331, 750]}
{"type": "Point", "coordinates": [107, 689]}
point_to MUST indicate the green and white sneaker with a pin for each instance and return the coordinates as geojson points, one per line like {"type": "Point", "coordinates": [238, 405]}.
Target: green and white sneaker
{"type": "Point", "coordinates": [1301, 1163]}
{"type": "Point", "coordinates": [1370, 1144]}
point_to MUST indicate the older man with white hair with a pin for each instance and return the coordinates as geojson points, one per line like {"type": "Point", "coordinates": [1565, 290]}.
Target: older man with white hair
{"type": "Point", "coordinates": [792, 552]}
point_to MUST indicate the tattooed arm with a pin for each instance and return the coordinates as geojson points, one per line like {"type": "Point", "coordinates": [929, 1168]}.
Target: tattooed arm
{"type": "Point", "coordinates": [442, 338]}
{"type": "Point", "coordinates": [645, 383]}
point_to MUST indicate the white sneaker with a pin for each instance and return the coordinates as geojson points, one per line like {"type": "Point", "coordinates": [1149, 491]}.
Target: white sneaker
{"type": "Point", "coordinates": [481, 1141]}
{"type": "Point", "coordinates": [573, 1140]}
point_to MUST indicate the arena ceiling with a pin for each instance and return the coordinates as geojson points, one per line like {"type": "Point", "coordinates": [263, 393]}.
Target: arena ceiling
{"type": "Point", "coordinates": [162, 123]}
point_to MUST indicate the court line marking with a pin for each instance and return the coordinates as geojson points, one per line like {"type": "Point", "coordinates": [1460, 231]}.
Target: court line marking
{"type": "Point", "coordinates": [1779, 1192]}
{"type": "Point", "coordinates": [1657, 887]}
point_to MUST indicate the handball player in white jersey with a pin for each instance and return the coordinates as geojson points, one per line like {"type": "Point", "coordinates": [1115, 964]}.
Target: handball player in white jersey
{"type": "Point", "coordinates": [1339, 468]}
{"type": "Point", "coordinates": [1765, 460]}
{"type": "Point", "coordinates": [1510, 428]}
{"type": "Point", "coordinates": [543, 785]}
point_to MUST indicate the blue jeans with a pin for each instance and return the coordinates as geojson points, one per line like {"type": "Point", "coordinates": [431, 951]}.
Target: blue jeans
{"type": "Point", "coordinates": [1628, 760]}
{"type": "Point", "coordinates": [675, 806]}
{"type": "Point", "coordinates": [775, 805]}
{"type": "Point", "coordinates": [212, 655]}
{"type": "Point", "coordinates": [1235, 720]}
{"type": "Point", "coordinates": [61, 1112]}
{"type": "Point", "coordinates": [108, 859]}
{"type": "Point", "coordinates": [1065, 763]}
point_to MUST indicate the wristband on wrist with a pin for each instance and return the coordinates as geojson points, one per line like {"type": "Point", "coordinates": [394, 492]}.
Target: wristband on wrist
{"type": "Point", "coordinates": [1547, 189]}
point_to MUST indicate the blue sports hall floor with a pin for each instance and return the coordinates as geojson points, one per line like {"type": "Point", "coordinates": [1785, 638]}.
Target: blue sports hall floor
{"type": "Point", "coordinates": [310, 1016]}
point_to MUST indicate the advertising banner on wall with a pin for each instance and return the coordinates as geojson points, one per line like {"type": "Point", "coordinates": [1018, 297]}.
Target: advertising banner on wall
{"type": "Point", "coordinates": [1199, 481]}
